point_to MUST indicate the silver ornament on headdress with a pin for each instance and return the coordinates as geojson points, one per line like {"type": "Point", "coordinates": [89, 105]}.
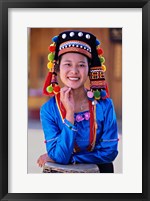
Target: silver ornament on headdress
{"type": "Point", "coordinates": [71, 34]}
{"type": "Point", "coordinates": [80, 34]}
{"type": "Point", "coordinates": [87, 36]}
{"type": "Point", "coordinates": [64, 36]}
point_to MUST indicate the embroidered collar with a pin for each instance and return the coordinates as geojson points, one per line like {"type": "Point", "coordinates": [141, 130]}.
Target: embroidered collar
{"type": "Point", "coordinates": [82, 116]}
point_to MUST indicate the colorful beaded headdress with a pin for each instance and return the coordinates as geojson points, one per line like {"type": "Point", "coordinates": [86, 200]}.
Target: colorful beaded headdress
{"type": "Point", "coordinates": [84, 43]}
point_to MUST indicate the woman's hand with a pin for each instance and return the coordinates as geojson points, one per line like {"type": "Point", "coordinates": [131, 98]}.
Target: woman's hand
{"type": "Point", "coordinates": [43, 159]}
{"type": "Point", "coordinates": [66, 97]}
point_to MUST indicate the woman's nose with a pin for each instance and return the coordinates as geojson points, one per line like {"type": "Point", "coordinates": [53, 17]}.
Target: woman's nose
{"type": "Point", "coordinates": [74, 69]}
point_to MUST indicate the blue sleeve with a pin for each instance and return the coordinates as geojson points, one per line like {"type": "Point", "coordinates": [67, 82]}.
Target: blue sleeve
{"type": "Point", "coordinates": [59, 141]}
{"type": "Point", "coordinates": [105, 150]}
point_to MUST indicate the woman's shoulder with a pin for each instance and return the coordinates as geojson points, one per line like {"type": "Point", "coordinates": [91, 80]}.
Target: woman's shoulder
{"type": "Point", "coordinates": [107, 101]}
{"type": "Point", "coordinates": [105, 104]}
{"type": "Point", "coordinates": [49, 105]}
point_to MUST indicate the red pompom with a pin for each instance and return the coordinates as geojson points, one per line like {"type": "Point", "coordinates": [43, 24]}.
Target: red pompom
{"type": "Point", "coordinates": [56, 89]}
{"type": "Point", "coordinates": [100, 51]}
{"type": "Point", "coordinates": [52, 48]}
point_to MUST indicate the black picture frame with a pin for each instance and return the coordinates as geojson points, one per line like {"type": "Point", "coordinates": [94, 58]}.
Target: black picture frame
{"type": "Point", "coordinates": [4, 6]}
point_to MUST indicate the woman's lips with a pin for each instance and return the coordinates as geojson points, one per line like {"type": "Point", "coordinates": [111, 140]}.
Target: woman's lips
{"type": "Point", "coordinates": [73, 78]}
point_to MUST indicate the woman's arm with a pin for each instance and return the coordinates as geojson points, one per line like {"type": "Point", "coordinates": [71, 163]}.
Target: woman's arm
{"type": "Point", "coordinates": [59, 142]}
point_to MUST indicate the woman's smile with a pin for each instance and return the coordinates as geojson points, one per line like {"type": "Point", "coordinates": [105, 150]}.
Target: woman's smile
{"type": "Point", "coordinates": [73, 78]}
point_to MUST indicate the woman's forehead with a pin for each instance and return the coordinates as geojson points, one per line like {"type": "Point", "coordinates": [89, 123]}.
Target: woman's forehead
{"type": "Point", "coordinates": [74, 56]}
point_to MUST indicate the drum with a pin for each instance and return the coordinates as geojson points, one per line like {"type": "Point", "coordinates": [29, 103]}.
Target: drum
{"type": "Point", "coordinates": [71, 168]}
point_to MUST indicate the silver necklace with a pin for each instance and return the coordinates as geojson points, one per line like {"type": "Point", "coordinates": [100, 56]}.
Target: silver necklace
{"type": "Point", "coordinates": [83, 104]}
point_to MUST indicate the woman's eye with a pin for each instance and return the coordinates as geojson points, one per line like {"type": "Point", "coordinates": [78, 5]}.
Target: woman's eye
{"type": "Point", "coordinates": [67, 64]}
{"type": "Point", "coordinates": [82, 65]}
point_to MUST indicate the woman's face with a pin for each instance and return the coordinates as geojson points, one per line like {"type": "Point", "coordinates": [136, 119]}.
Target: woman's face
{"type": "Point", "coordinates": [73, 70]}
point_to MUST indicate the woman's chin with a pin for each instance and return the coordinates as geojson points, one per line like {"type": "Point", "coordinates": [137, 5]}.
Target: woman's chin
{"type": "Point", "coordinates": [73, 86]}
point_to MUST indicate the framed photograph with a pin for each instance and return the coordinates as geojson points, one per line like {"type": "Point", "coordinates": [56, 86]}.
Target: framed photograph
{"type": "Point", "coordinates": [124, 27]}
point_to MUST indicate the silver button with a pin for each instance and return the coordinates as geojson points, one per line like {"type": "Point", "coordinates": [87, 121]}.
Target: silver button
{"type": "Point", "coordinates": [71, 34]}
{"type": "Point", "coordinates": [80, 34]}
{"type": "Point", "coordinates": [87, 36]}
{"type": "Point", "coordinates": [64, 36]}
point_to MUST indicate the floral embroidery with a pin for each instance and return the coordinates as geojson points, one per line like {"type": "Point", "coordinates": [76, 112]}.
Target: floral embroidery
{"type": "Point", "coordinates": [81, 117]}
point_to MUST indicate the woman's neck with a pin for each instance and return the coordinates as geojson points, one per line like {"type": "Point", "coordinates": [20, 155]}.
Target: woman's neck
{"type": "Point", "coordinates": [79, 94]}
{"type": "Point", "coordinates": [81, 100]}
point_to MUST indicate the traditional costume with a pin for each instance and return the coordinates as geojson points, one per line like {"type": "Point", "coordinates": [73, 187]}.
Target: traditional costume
{"type": "Point", "coordinates": [93, 138]}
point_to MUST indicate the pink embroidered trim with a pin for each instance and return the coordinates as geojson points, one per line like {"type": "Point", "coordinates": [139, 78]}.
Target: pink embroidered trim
{"type": "Point", "coordinates": [81, 117]}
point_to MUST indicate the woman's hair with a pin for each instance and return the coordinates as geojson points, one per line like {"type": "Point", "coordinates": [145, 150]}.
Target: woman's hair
{"type": "Point", "coordinates": [57, 65]}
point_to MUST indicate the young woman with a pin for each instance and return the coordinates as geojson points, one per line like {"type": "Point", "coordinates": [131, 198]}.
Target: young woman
{"type": "Point", "coordinates": [79, 124]}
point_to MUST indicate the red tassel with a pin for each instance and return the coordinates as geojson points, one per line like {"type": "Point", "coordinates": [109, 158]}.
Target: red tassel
{"type": "Point", "coordinates": [107, 91]}
{"type": "Point", "coordinates": [47, 83]}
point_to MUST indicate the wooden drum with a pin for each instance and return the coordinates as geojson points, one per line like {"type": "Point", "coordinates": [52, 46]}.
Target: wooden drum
{"type": "Point", "coordinates": [71, 168]}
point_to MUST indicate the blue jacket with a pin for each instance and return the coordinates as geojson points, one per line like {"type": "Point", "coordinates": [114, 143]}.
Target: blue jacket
{"type": "Point", "coordinates": [60, 139]}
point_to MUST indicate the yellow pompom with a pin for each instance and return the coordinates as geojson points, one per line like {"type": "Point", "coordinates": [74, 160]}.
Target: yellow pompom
{"type": "Point", "coordinates": [104, 68]}
{"type": "Point", "coordinates": [50, 65]}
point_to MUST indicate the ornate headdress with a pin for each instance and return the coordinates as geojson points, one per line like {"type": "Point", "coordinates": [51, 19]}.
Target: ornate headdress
{"type": "Point", "coordinates": [84, 43]}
